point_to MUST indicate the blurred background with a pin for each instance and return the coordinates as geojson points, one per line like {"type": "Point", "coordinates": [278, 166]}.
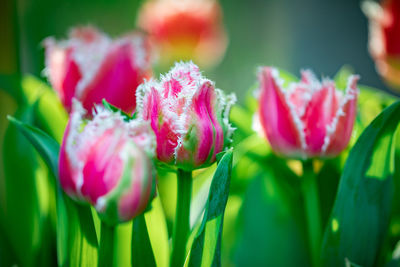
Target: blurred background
{"type": "Point", "coordinates": [292, 35]}
{"type": "Point", "coordinates": [320, 35]}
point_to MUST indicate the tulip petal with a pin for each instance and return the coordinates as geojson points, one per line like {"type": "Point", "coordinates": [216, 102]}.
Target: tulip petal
{"type": "Point", "coordinates": [103, 166]}
{"type": "Point", "coordinates": [117, 78]}
{"type": "Point", "coordinates": [205, 136]}
{"type": "Point", "coordinates": [340, 129]}
{"type": "Point", "coordinates": [62, 70]}
{"type": "Point", "coordinates": [65, 170]}
{"type": "Point", "coordinates": [277, 117]}
{"type": "Point", "coordinates": [319, 113]}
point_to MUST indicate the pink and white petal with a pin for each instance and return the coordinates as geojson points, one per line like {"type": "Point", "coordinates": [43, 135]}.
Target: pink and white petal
{"type": "Point", "coordinates": [136, 198]}
{"type": "Point", "coordinates": [116, 80]}
{"type": "Point", "coordinates": [340, 130]}
{"type": "Point", "coordinates": [299, 96]}
{"type": "Point", "coordinates": [103, 167]}
{"type": "Point", "coordinates": [66, 172]}
{"type": "Point", "coordinates": [276, 116]}
{"type": "Point", "coordinates": [308, 77]}
{"type": "Point", "coordinates": [63, 71]}
{"type": "Point", "coordinates": [319, 113]}
{"type": "Point", "coordinates": [152, 110]}
{"type": "Point", "coordinates": [205, 136]}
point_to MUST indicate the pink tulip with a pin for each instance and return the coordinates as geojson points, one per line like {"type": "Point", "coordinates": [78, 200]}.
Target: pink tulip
{"type": "Point", "coordinates": [308, 118]}
{"type": "Point", "coordinates": [89, 66]}
{"type": "Point", "coordinates": [185, 30]}
{"type": "Point", "coordinates": [384, 38]}
{"type": "Point", "coordinates": [106, 162]}
{"type": "Point", "coordinates": [188, 115]}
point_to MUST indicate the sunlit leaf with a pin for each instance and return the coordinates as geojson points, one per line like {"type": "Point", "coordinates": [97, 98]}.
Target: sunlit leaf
{"type": "Point", "coordinates": [360, 216]}
{"type": "Point", "coordinates": [158, 232]}
{"type": "Point", "coordinates": [206, 248]}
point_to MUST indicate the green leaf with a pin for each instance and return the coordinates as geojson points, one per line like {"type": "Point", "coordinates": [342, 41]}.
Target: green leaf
{"type": "Point", "coordinates": [50, 115]}
{"type": "Point", "coordinates": [11, 85]}
{"type": "Point", "coordinates": [270, 226]}
{"type": "Point", "coordinates": [82, 239]}
{"type": "Point", "coordinates": [76, 236]}
{"type": "Point", "coordinates": [27, 196]}
{"type": "Point", "coordinates": [142, 253]}
{"type": "Point", "coordinates": [361, 213]}
{"type": "Point", "coordinates": [158, 232]}
{"type": "Point", "coordinates": [47, 147]}
{"type": "Point", "coordinates": [206, 248]}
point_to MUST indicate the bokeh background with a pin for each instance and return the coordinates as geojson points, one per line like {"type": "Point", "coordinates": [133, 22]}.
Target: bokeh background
{"type": "Point", "coordinates": [322, 35]}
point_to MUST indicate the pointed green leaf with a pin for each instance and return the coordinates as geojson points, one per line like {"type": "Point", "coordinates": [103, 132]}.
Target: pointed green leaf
{"type": "Point", "coordinates": [47, 147]}
{"type": "Point", "coordinates": [76, 236]}
{"type": "Point", "coordinates": [360, 216]}
{"type": "Point", "coordinates": [206, 248]}
{"type": "Point", "coordinates": [26, 194]}
{"type": "Point", "coordinates": [142, 254]}
{"type": "Point", "coordinates": [158, 232]}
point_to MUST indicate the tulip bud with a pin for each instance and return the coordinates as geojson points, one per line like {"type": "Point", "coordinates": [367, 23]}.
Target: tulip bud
{"type": "Point", "coordinates": [308, 118]}
{"type": "Point", "coordinates": [185, 30]}
{"type": "Point", "coordinates": [384, 38]}
{"type": "Point", "coordinates": [106, 162]}
{"type": "Point", "coordinates": [90, 67]}
{"type": "Point", "coordinates": [189, 117]}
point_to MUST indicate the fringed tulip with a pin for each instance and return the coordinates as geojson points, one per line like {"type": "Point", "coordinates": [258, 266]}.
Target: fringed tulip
{"type": "Point", "coordinates": [308, 118]}
{"type": "Point", "coordinates": [185, 30]}
{"type": "Point", "coordinates": [90, 66]}
{"type": "Point", "coordinates": [188, 115]}
{"type": "Point", "coordinates": [384, 38]}
{"type": "Point", "coordinates": [107, 162]}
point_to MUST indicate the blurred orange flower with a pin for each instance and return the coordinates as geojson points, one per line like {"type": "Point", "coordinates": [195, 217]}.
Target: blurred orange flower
{"type": "Point", "coordinates": [384, 38]}
{"type": "Point", "coordinates": [185, 30]}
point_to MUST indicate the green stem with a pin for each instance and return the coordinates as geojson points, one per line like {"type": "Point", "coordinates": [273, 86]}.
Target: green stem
{"type": "Point", "coordinates": [182, 218]}
{"type": "Point", "coordinates": [106, 252]}
{"type": "Point", "coordinates": [310, 194]}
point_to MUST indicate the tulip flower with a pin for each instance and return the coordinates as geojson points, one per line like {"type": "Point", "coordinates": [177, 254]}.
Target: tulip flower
{"type": "Point", "coordinates": [185, 30]}
{"type": "Point", "coordinates": [189, 116]}
{"type": "Point", "coordinates": [106, 162]}
{"type": "Point", "coordinates": [308, 118]}
{"type": "Point", "coordinates": [384, 38]}
{"type": "Point", "coordinates": [90, 67]}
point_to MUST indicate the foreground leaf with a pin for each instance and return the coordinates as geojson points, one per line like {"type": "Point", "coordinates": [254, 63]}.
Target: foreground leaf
{"type": "Point", "coordinates": [142, 254]}
{"type": "Point", "coordinates": [26, 198]}
{"type": "Point", "coordinates": [47, 147]}
{"type": "Point", "coordinates": [206, 248]}
{"type": "Point", "coordinates": [360, 216]}
{"type": "Point", "coordinates": [76, 236]}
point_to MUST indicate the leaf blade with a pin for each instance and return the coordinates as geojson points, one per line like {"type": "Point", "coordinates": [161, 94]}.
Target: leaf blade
{"type": "Point", "coordinates": [362, 206]}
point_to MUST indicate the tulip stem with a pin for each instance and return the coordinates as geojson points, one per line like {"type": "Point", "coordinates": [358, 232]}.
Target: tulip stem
{"type": "Point", "coordinates": [182, 218]}
{"type": "Point", "coordinates": [106, 252]}
{"type": "Point", "coordinates": [310, 194]}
